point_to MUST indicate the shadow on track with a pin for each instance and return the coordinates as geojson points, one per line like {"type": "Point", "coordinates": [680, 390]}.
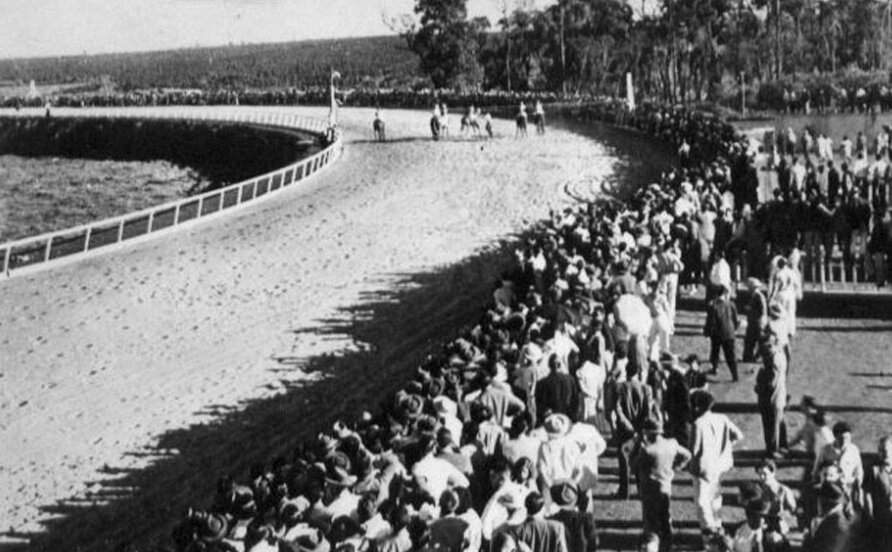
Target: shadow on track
{"type": "Point", "coordinates": [394, 329]}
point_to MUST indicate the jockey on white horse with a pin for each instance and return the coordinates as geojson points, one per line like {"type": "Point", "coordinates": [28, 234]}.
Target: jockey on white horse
{"type": "Point", "coordinates": [444, 120]}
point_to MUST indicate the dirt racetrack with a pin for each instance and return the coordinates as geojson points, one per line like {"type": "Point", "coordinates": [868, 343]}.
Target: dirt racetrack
{"type": "Point", "coordinates": [129, 381]}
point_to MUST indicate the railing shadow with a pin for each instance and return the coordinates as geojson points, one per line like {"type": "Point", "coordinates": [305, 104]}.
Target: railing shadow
{"type": "Point", "coordinates": [135, 509]}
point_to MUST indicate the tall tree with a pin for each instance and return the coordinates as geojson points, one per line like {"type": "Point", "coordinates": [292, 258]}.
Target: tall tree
{"type": "Point", "coordinates": [447, 43]}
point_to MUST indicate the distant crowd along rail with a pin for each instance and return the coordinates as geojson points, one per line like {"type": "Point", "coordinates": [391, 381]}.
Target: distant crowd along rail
{"type": "Point", "coordinates": [32, 253]}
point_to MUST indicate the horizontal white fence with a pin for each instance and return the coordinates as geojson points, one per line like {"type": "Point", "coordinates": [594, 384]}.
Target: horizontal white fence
{"type": "Point", "coordinates": [100, 235]}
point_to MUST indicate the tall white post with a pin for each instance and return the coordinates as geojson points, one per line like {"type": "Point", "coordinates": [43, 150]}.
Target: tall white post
{"type": "Point", "coordinates": [630, 92]}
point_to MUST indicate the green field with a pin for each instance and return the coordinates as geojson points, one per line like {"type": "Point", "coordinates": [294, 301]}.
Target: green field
{"type": "Point", "coordinates": [383, 61]}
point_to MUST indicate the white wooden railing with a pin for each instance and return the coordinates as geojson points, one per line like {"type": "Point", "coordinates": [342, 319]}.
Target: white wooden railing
{"type": "Point", "coordinates": [26, 254]}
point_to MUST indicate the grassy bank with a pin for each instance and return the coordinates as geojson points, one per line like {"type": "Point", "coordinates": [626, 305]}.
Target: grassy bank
{"type": "Point", "coordinates": [43, 194]}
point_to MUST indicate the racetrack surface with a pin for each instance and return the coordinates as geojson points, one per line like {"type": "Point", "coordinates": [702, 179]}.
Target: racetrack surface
{"type": "Point", "coordinates": [137, 376]}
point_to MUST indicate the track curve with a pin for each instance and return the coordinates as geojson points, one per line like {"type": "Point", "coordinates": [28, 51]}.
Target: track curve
{"type": "Point", "coordinates": [101, 356]}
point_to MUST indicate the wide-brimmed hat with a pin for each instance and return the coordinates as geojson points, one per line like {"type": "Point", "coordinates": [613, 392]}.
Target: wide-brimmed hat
{"type": "Point", "coordinates": [557, 425]}
{"type": "Point", "coordinates": [291, 510]}
{"type": "Point", "coordinates": [311, 542]}
{"type": "Point", "coordinates": [337, 470]}
{"type": "Point", "coordinates": [444, 406]}
{"type": "Point", "coordinates": [212, 527]}
{"type": "Point", "coordinates": [511, 499]}
{"type": "Point", "coordinates": [565, 493]}
{"type": "Point", "coordinates": [243, 504]}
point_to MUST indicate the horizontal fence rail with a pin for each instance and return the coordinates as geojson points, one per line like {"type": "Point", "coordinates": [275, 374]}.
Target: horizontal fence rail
{"type": "Point", "coordinates": [99, 235]}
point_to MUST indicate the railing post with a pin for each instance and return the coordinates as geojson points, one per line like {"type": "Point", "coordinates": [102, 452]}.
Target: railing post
{"type": "Point", "coordinates": [813, 262]}
{"type": "Point", "coordinates": [822, 274]}
{"type": "Point", "coordinates": [200, 205]}
{"type": "Point", "coordinates": [48, 250]}
{"type": "Point", "coordinates": [176, 215]}
{"type": "Point", "coordinates": [120, 231]}
{"type": "Point", "coordinates": [6, 256]}
{"type": "Point", "coordinates": [151, 222]}
{"type": "Point", "coordinates": [87, 238]}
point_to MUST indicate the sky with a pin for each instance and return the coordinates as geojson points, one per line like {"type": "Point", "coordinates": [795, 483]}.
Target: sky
{"type": "Point", "coordinates": [37, 28]}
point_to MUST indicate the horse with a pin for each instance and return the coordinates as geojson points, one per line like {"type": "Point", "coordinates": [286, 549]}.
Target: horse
{"type": "Point", "coordinates": [435, 127]}
{"type": "Point", "coordinates": [378, 127]}
{"type": "Point", "coordinates": [469, 124]}
{"type": "Point", "coordinates": [520, 125]}
{"type": "Point", "coordinates": [443, 123]}
{"type": "Point", "coordinates": [539, 121]}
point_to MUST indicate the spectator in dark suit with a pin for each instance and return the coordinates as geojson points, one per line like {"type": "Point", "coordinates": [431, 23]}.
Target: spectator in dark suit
{"type": "Point", "coordinates": [579, 524]}
{"type": "Point", "coordinates": [837, 530]}
{"type": "Point", "coordinates": [878, 496]}
{"type": "Point", "coordinates": [538, 533]}
{"type": "Point", "coordinates": [721, 324]}
{"type": "Point", "coordinates": [634, 406]}
{"type": "Point", "coordinates": [558, 392]}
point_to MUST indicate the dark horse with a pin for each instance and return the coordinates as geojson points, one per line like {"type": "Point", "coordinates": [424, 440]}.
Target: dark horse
{"type": "Point", "coordinates": [435, 127]}
{"type": "Point", "coordinates": [539, 121]}
{"type": "Point", "coordinates": [378, 128]}
{"type": "Point", "coordinates": [521, 125]}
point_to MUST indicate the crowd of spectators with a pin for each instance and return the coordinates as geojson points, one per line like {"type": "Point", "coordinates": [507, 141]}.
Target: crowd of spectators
{"type": "Point", "coordinates": [830, 200]}
{"type": "Point", "coordinates": [495, 442]}
{"type": "Point", "coordinates": [350, 97]}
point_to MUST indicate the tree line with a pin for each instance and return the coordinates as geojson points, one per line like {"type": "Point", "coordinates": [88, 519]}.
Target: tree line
{"type": "Point", "coordinates": [678, 50]}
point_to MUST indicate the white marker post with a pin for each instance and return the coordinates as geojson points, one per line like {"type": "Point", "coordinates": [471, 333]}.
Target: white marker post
{"type": "Point", "coordinates": [630, 92]}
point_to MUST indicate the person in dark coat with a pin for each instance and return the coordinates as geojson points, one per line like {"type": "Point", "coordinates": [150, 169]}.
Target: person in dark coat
{"type": "Point", "coordinates": [771, 393]}
{"type": "Point", "coordinates": [677, 399]}
{"type": "Point", "coordinates": [878, 496]}
{"type": "Point", "coordinates": [756, 319]}
{"type": "Point", "coordinates": [633, 407]}
{"type": "Point", "coordinates": [579, 524]}
{"type": "Point", "coordinates": [721, 324]}
{"type": "Point", "coordinates": [838, 529]}
{"type": "Point", "coordinates": [538, 533]}
{"type": "Point", "coordinates": [558, 392]}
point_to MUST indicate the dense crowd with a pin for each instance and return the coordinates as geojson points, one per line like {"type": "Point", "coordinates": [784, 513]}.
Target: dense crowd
{"type": "Point", "coordinates": [831, 200]}
{"type": "Point", "coordinates": [352, 97]}
{"type": "Point", "coordinates": [827, 97]}
{"type": "Point", "coordinates": [495, 442]}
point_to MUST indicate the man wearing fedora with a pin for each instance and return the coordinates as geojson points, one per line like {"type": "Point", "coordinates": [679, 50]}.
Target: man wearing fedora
{"type": "Point", "coordinates": [579, 525]}
{"type": "Point", "coordinates": [655, 460]}
{"type": "Point", "coordinates": [560, 457]}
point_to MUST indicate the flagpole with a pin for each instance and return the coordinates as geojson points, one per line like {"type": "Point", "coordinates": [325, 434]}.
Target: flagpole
{"type": "Point", "coordinates": [333, 106]}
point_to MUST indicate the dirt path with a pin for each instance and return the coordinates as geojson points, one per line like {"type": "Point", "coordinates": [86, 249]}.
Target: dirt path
{"type": "Point", "coordinates": [107, 365]}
